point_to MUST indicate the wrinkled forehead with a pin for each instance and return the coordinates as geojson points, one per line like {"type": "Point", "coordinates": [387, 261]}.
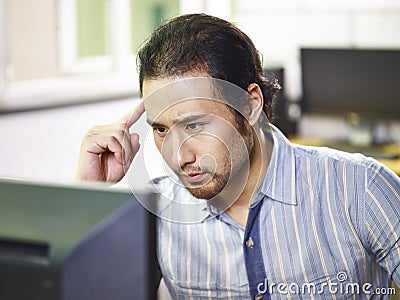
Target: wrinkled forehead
{"type": "Point", "coordinates": [164, 95]}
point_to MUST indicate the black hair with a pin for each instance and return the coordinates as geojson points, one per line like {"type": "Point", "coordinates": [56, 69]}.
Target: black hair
{"type": "Point", "coordinates": [199, 43]}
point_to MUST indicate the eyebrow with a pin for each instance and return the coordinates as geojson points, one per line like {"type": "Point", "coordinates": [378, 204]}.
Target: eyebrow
{"type": "Point", "coordinates": [187, 119]}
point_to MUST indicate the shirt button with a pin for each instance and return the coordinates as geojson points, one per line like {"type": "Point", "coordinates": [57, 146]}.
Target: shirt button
{"type": "Point", "coordinates": [250, 244]}
{"type": "Point", "coordinates": [258, 297]}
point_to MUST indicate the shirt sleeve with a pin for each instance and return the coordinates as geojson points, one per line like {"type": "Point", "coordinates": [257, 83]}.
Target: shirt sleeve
{"type": "Point", "coordinates": [382, 218]}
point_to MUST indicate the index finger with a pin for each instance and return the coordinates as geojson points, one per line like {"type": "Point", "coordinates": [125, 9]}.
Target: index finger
{"type": "Point", "coordinates": [134, 115]}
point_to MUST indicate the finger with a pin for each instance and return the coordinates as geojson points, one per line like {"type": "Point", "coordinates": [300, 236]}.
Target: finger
{"type": "Point", "coordinates": [121, 134]}
{"type": "Point", "coordinates": [129, 142]}
{"type": "Point", "coordinates": [130, 148]}
{"type": "Point", "coordinates": [135, 144]}
{"type": "Point", "coordinates": [127, 148]}
{"type": "Point", "coordinates": [100, 139]}
{"type": "Point", "coordinates": [105, 144]}
{"type": "Point", "coordinates": [115, 147]}
{"type": "Point", "coordinates": [134, 115]}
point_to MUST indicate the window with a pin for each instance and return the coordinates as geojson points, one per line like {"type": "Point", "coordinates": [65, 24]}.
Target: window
{"type": "Point", "coordinates": [84, 36]}
{"type": "Point", "coordinates": [157, 11]}
{"type": "Point", "coordinates": [56, 52]}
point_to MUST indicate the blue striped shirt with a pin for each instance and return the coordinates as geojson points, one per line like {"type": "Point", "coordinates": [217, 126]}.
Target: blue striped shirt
{"type": "Point", "coordinates": [323, 225]}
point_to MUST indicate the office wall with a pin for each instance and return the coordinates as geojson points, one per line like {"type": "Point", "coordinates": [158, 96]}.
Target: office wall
{"type": "Point", "coordinates": [32, 56]}
{"type": "Point", "coordinates": [280, 28]}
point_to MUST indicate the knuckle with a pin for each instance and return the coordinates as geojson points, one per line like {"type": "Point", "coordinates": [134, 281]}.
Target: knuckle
{"type": "Point", "coordinates": [111, 139]}
{"type": "Point", "coordinates": [95, 130]}
{"type": "Point", "coordinates": [91, 130]}
{"type": "Point", "coordinates": [120, 134]}
{"type": "Point", "coordinates": [120, 127]}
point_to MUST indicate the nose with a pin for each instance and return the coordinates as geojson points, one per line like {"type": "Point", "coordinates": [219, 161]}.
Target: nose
{"type": "Point", "coordinates": [183, 152]}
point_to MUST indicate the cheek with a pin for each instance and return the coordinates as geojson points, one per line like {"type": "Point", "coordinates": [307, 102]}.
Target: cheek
{"type": "Point", "coordinates": [157, 142]}
{"type": "Point", "coordinates": [214, 149]}
{"type": "Point", "coordinates": [163, 149]}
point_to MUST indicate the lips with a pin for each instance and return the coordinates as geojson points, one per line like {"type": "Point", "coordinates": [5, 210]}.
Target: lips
{"type": "Point", "coordinates": [192, 174]}
{"type": "Point", "coordinates": [194, 177]}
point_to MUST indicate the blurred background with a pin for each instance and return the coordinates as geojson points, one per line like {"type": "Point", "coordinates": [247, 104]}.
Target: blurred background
{"type": "Point", "coordinates": [66, 65]}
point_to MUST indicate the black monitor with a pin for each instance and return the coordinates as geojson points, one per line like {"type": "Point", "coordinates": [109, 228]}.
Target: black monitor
{"type": "Point", "coordinates": [343, 81]}
{"type": "Point", "coordinates": [71, 243]}
{"type": "Point", "coordinates": [282, 118]}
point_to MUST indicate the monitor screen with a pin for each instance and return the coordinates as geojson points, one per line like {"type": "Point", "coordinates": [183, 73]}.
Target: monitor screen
{"type": "Point", "coordinates": [67, 242]}
{"type": "Point", "coordinates": [341, 81]}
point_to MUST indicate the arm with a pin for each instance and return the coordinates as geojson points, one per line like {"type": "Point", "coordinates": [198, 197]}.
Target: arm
{"type": "Point", "coordinates": [382, 219]}
{"type": "Point", "coordinates": [107, 151]}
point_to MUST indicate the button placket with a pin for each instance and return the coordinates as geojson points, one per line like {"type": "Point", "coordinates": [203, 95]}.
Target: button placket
{"type": "Point", "coordinates": [250, 243]}
{"type": "Point", "coordinates": [255, 267]}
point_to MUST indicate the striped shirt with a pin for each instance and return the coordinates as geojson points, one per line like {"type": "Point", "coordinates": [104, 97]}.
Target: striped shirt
{"type": "Point", "coordinates": [323, 225]}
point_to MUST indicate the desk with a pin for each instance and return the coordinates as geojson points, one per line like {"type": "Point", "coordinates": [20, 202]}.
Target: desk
{"type": "Point", "coordinates": [393, 164]}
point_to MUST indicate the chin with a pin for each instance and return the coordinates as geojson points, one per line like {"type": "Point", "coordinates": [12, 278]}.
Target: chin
{"type": "Point", "coordinates": [207, 191]}
{"type": "Point", "coordinates": [200, 193]}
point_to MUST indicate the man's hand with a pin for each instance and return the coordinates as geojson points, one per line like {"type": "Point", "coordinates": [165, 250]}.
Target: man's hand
{"type": "Point", "coordinates": [107, 151]}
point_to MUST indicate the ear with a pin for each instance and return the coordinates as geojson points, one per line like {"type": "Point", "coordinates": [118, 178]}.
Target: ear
{"type": "Point", "coordinates": [255, 104]}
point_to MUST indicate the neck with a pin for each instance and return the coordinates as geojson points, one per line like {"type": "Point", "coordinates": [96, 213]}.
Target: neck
{"type": "Point", "coordinates": [259, 162]}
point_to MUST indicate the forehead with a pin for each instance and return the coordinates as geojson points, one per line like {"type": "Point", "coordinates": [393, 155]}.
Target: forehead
{"type": "Point", "coordinates": [188, 111]}
{"type": "Point", "coordinates": [173, 99]}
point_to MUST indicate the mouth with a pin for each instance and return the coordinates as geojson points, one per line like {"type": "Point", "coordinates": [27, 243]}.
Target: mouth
{"type": "Point", "coordinates": [194, 177]}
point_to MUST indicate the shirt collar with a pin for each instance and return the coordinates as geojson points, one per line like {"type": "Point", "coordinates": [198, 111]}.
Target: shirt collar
{"type": "Point", "coordinates": [280, 180]}
{"type": "Point", "coordinates": [279, 183]}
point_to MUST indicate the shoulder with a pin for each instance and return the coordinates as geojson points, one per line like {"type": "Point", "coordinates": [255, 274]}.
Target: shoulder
{"type": "Point", "coordinates": [334, 157]}
{"type": "Point", "coordinates": [353, 170]}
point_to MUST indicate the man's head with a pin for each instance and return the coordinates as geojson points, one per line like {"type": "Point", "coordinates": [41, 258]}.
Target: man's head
{"type": "Point", "coordinates": [204, 141]}
{"type": "Point", "coordinates": [202, 44]}
{"type": "Point", "coordinates": [199, 140]}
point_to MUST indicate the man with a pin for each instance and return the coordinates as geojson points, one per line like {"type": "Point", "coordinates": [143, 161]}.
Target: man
{"type": "Point", "coordinates": [280, 220]}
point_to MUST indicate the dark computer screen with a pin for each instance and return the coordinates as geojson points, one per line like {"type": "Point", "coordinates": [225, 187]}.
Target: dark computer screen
{"type": "Point", "coordinates": [341, 81]}
{"type": "Point", "coordinates": [281, 118]}
{"type": "Point", "coordinates": [67, 242]}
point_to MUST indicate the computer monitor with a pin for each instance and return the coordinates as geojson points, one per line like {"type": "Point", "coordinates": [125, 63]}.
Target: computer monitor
{"type": "Point", "coordinates": [69, 243]}
{"type": "Point", "coordinates": [282, 118]}
{"type": "Point", "coordinates": [343, 81]}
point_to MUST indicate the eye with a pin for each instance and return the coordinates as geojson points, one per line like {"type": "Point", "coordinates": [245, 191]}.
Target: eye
{"type": "Point", "coordinates": [160, 131]}
{"type": "Point", "coordinates": [193, 127]}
